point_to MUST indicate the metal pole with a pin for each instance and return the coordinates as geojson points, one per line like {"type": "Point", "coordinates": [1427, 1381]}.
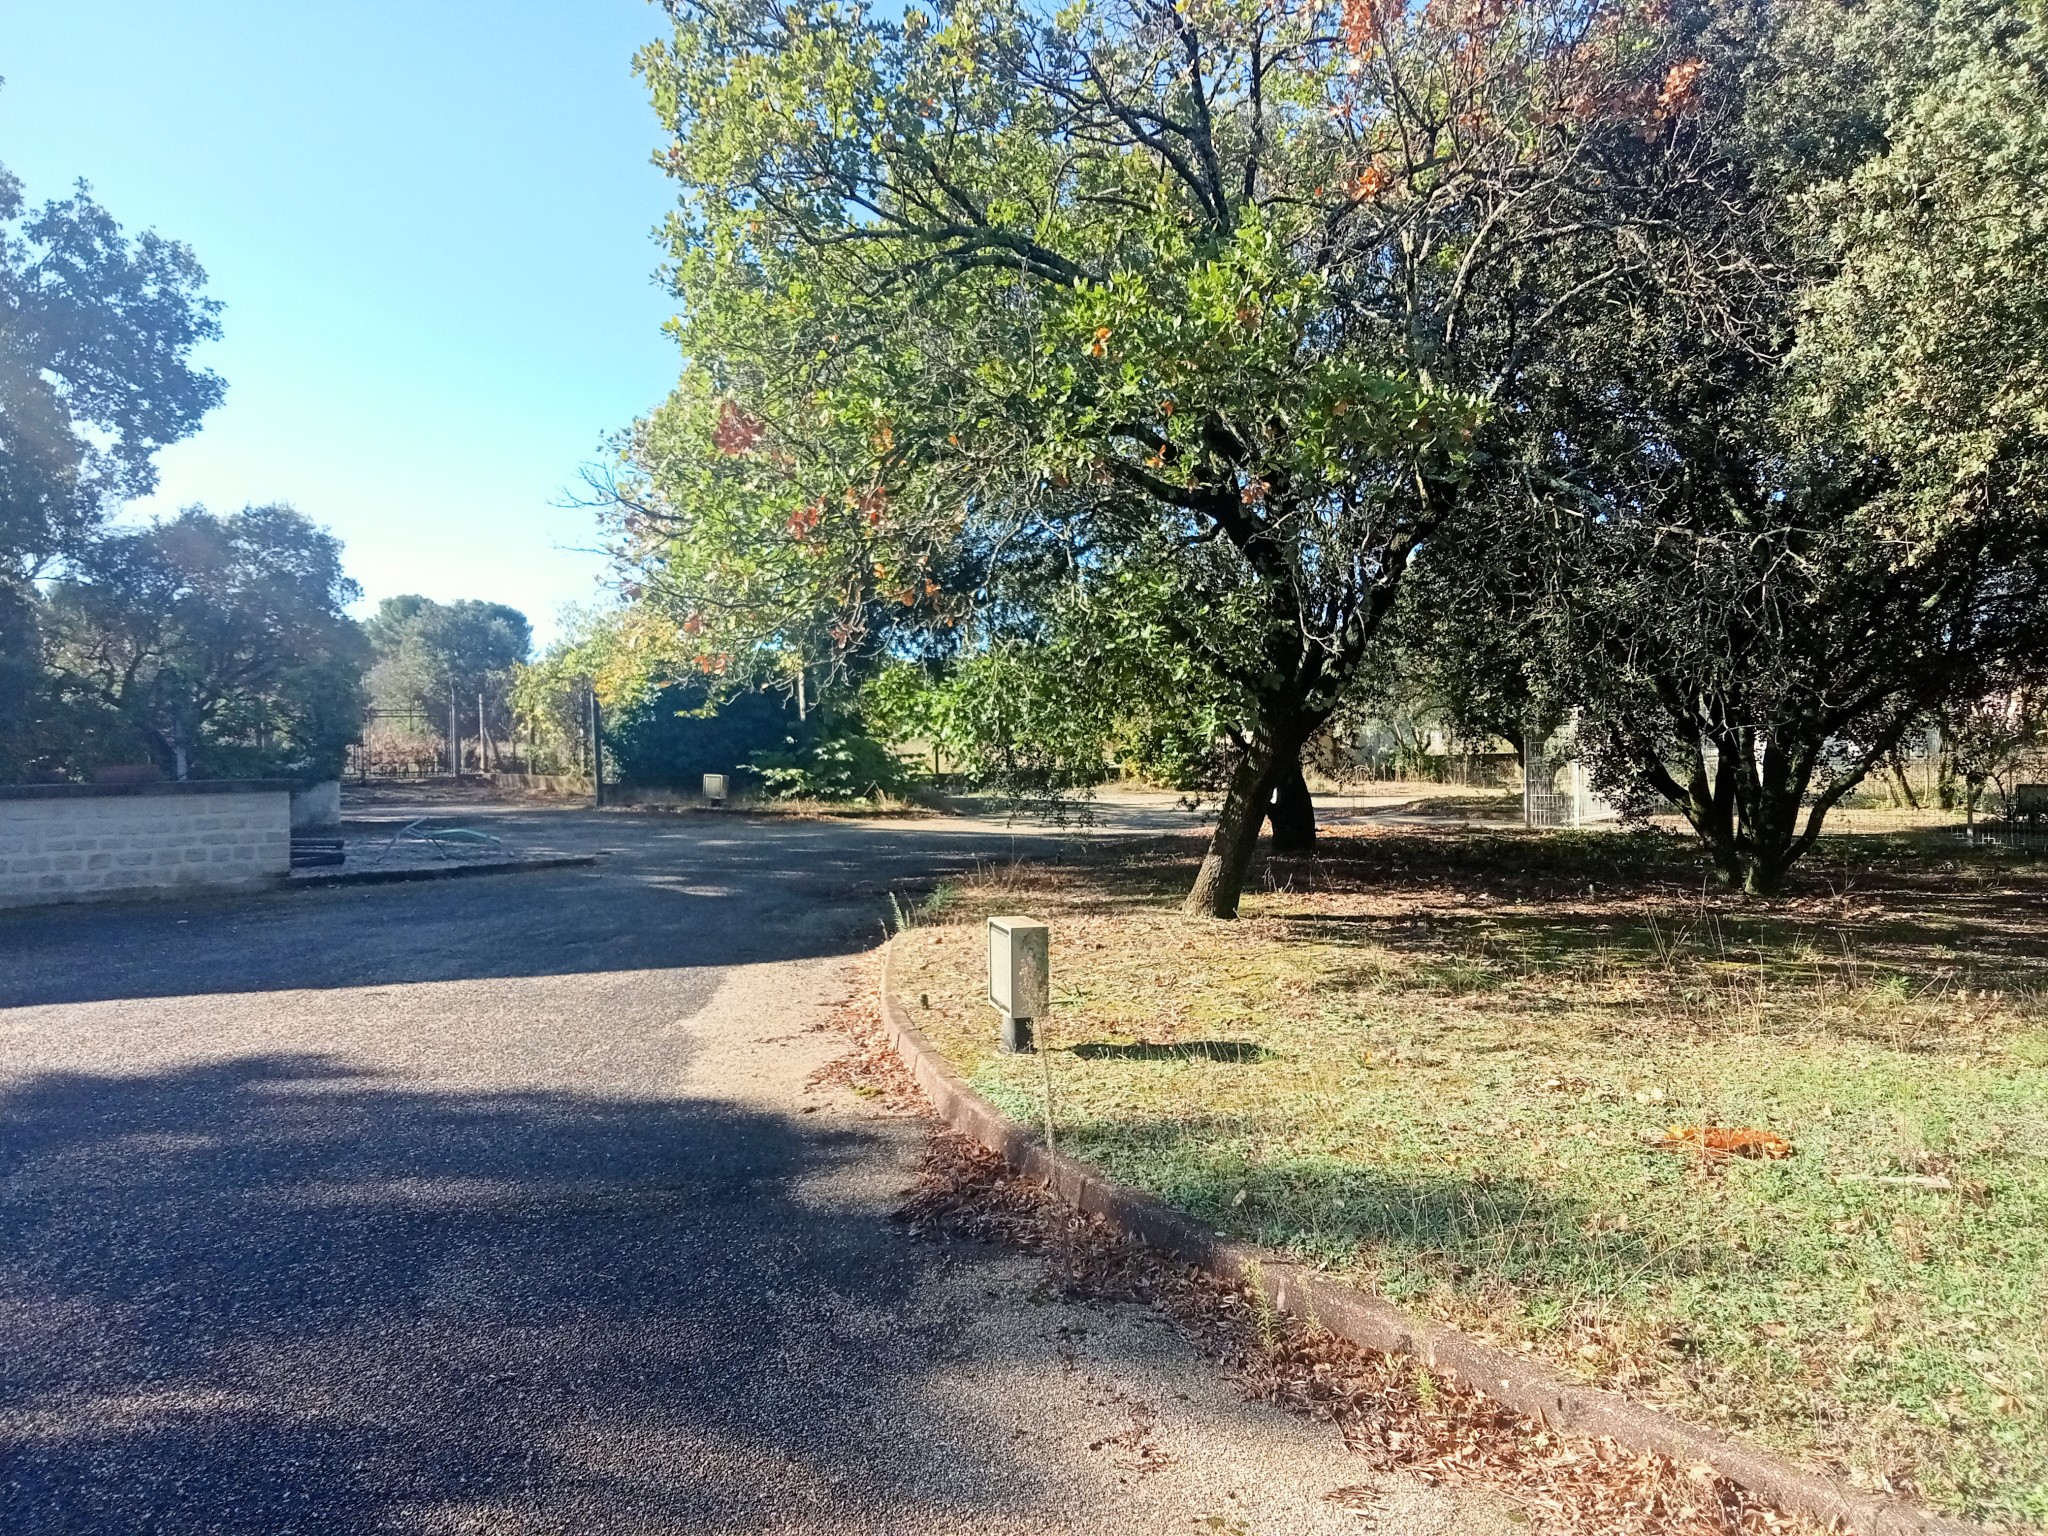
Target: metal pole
{"type": "Point", "coordinates": [454, 733]}
{"type": "Point", "coordinates": [596, 752]}
{"type": "Point", "coordinates": [1528, 777]}
{"type": "Point", "coordinates": [483, 736]}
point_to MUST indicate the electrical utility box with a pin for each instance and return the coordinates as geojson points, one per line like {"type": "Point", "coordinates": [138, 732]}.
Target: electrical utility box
{"type": "Point", "coordinates": [1019, 976]}
{"type": "Point", "coordinates": [714, 787]}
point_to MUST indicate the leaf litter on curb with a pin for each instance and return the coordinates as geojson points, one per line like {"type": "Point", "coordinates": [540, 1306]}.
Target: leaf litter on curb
{"type": "Point", "coordinates": [869, 1067]}
{"type": "Point", "coordinates": [1392, 1412]}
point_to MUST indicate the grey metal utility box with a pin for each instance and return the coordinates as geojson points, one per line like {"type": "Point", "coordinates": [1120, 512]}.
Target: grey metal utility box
{"type": "Point", "coordinates": [1019, 975]}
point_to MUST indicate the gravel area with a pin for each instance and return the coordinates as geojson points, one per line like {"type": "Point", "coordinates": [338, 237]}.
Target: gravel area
{"type": "Point", "coordinates": [502, 1205]}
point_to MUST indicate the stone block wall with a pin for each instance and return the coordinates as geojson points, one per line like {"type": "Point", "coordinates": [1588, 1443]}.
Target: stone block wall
{"type": "Point", "coordinates": [79, 842]}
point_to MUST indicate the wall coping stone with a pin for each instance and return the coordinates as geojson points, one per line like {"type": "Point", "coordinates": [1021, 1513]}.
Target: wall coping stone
{"type": "Point", "coordinates": [158, 787]}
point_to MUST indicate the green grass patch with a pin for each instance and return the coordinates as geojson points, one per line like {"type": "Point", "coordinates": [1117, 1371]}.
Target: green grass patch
{"type": "Point", "coordinates": [1439, 1064]}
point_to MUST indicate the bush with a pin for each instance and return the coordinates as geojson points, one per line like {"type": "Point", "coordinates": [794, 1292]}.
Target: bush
{"type": "Point", "coordinates": [675, 738]}
{"type": "Point", "coordinates": [841, 761]}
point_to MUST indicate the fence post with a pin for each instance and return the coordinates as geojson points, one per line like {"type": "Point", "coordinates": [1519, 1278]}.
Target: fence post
{"type": "Point", "coordinates": [1530, 747]}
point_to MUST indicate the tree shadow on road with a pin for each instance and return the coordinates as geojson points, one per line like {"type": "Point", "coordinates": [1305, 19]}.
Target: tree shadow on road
{"type": "Point", "coordinates": [278, 1294]}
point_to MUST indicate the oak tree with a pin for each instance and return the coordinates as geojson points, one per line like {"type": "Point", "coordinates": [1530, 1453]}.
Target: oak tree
{"type": "Point", "coordinates": [1221, 293]}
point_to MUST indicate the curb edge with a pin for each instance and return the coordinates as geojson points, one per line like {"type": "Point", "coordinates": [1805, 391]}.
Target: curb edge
{"type": "Point", "coordinates": [436, 872]}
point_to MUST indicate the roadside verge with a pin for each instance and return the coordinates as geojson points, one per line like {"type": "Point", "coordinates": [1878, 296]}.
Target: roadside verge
{"type": "Point", "coordinates": [1366, 1320]}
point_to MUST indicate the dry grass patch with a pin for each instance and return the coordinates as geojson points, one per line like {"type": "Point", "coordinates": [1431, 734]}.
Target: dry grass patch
{"type": "Point", "coordinates": [1440, 1065]}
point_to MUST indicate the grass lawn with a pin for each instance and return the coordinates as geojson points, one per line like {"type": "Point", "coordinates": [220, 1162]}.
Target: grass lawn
{"type": "Point", "coordinates": [1438, 1063]}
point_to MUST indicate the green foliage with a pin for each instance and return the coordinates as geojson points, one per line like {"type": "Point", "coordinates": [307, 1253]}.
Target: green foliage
{"type": "Point", "coordinates": [984, 307]}
{"type": "Point", "coordinates": [1103, 679]}
{"type": "Point", "coordinates": [679, 734]}
{"type": "Point", "coordinates": [837, 760]}
{"type": "Point", "coordinates": [425, 651]}
{"type": "Point", "coordinates": [1754, 538]}
{"type": "Point", "coordinates": [1929, 341]}
{"type": "Point", "coordinates": [667, 721]}
{"type": "Point", "coordinates": [223, 640]}
{"type": "Point", "coordinates": [623, 654]}
{"type": "Point", "coordinates": [96, 334]}
{"type": "Point", "coordinates": [1008, 718]}
{"type": "Point", "coordinates": [94, 370]}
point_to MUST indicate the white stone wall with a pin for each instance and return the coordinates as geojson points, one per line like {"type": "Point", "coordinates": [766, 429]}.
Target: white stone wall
{"type": "Point", "coordinates": [91, 847]}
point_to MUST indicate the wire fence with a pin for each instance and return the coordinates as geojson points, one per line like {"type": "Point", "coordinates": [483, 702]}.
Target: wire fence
{"type": "Point", "coordinates": [411, 744]}
{"type": "Point", "coordinates": [1915, 795]}
{"type": "Point", "coordinates": [1938, 828]}
{"type": "Point", "coordinates": [1557, 792]}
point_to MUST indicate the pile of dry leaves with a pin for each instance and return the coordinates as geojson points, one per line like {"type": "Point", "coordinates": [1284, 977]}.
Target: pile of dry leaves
{"type": "Point", "coordinates": [870, 1065]}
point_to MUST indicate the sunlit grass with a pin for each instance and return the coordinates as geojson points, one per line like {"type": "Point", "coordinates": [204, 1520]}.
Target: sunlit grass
{"type": "Point", "coordinates": [1460, 1060]}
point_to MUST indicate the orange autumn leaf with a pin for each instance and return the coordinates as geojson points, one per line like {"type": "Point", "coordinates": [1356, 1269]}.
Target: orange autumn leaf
{"type": "Point", "coordinates": [1681, 88]}
{"type": "Point", "coordinates": [1724, 1141]}
{"type": "Point", "coordinates": [1372, 182]}
{"type": "Point", "coordinates": [1365, 22]}
{"type": "Point", "coordinates": [736, 431]}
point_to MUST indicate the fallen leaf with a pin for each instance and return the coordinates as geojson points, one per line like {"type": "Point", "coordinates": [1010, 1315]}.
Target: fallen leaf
{"type": "Point", "coordinates": [1724, 1141]}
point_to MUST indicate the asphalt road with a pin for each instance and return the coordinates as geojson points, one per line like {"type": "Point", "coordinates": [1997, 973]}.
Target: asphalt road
{"type": "Point", "coordinates": [501, 1205]}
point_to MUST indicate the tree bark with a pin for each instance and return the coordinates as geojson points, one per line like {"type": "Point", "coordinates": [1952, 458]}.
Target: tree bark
{"type": "Point", "coordinates": [1901, 786]}
{"type": "Point", "coordinates": [1293, 812]}
{"type": "Point", "coordinates": [1220, 881]}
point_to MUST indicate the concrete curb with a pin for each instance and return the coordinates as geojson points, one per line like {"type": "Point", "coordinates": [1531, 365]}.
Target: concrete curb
{"type": "Point", "coordinates": [438, 872]}
{"type": "Point", "coordinates": [1364, 1319]}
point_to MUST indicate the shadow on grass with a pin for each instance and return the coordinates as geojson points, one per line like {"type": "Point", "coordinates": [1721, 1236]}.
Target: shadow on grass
{"type": "Point", "coordinates": [1184, 1050]}
{"type": "Point", "coordinates": [1925, 932]}
{"type": "Point", "coordinates": [1483, 907]}
{"type": "Point", "coordinates": [1417, 1227]}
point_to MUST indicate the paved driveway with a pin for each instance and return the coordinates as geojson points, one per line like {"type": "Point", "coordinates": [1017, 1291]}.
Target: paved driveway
{"type": "Point", "coordinates": [500, 1205]}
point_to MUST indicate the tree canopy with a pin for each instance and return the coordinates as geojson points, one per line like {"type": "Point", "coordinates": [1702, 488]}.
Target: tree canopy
{"type": "Point", "coordinates": [96, 337]}
{"type": "Point", "coordinates": [425, 651]}
{"type": "Point", "coordinates": [1107, 383]}
{"type": "Point", "coordinates": [1217, 297]}
{"type": "Point", "coordinates": [215, 646]}
{"type": "Point", "coordinates": [1754, 556]}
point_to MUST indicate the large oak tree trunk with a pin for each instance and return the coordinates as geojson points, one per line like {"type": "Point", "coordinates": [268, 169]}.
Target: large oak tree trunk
{"type": "Point", "coordinates": [1293, 811]}
{"type": "Point", "coordinates": [1748, 813]}
{"type": "Point", "coordinates": [1220, 881]}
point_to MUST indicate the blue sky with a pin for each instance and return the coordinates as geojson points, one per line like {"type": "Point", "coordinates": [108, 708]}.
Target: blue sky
{"type": "Point", "coordinates": [430, 223]}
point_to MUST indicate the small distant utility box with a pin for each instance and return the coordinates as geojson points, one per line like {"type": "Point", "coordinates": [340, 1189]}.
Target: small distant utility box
{"type": "Point", "coordinates": [1019, 975]}
{"type": "Point", "coordinates": [714, 787]}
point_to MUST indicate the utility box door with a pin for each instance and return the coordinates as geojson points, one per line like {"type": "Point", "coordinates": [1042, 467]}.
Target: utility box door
{"type": "Point", "coordinates": [1019, 969]}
